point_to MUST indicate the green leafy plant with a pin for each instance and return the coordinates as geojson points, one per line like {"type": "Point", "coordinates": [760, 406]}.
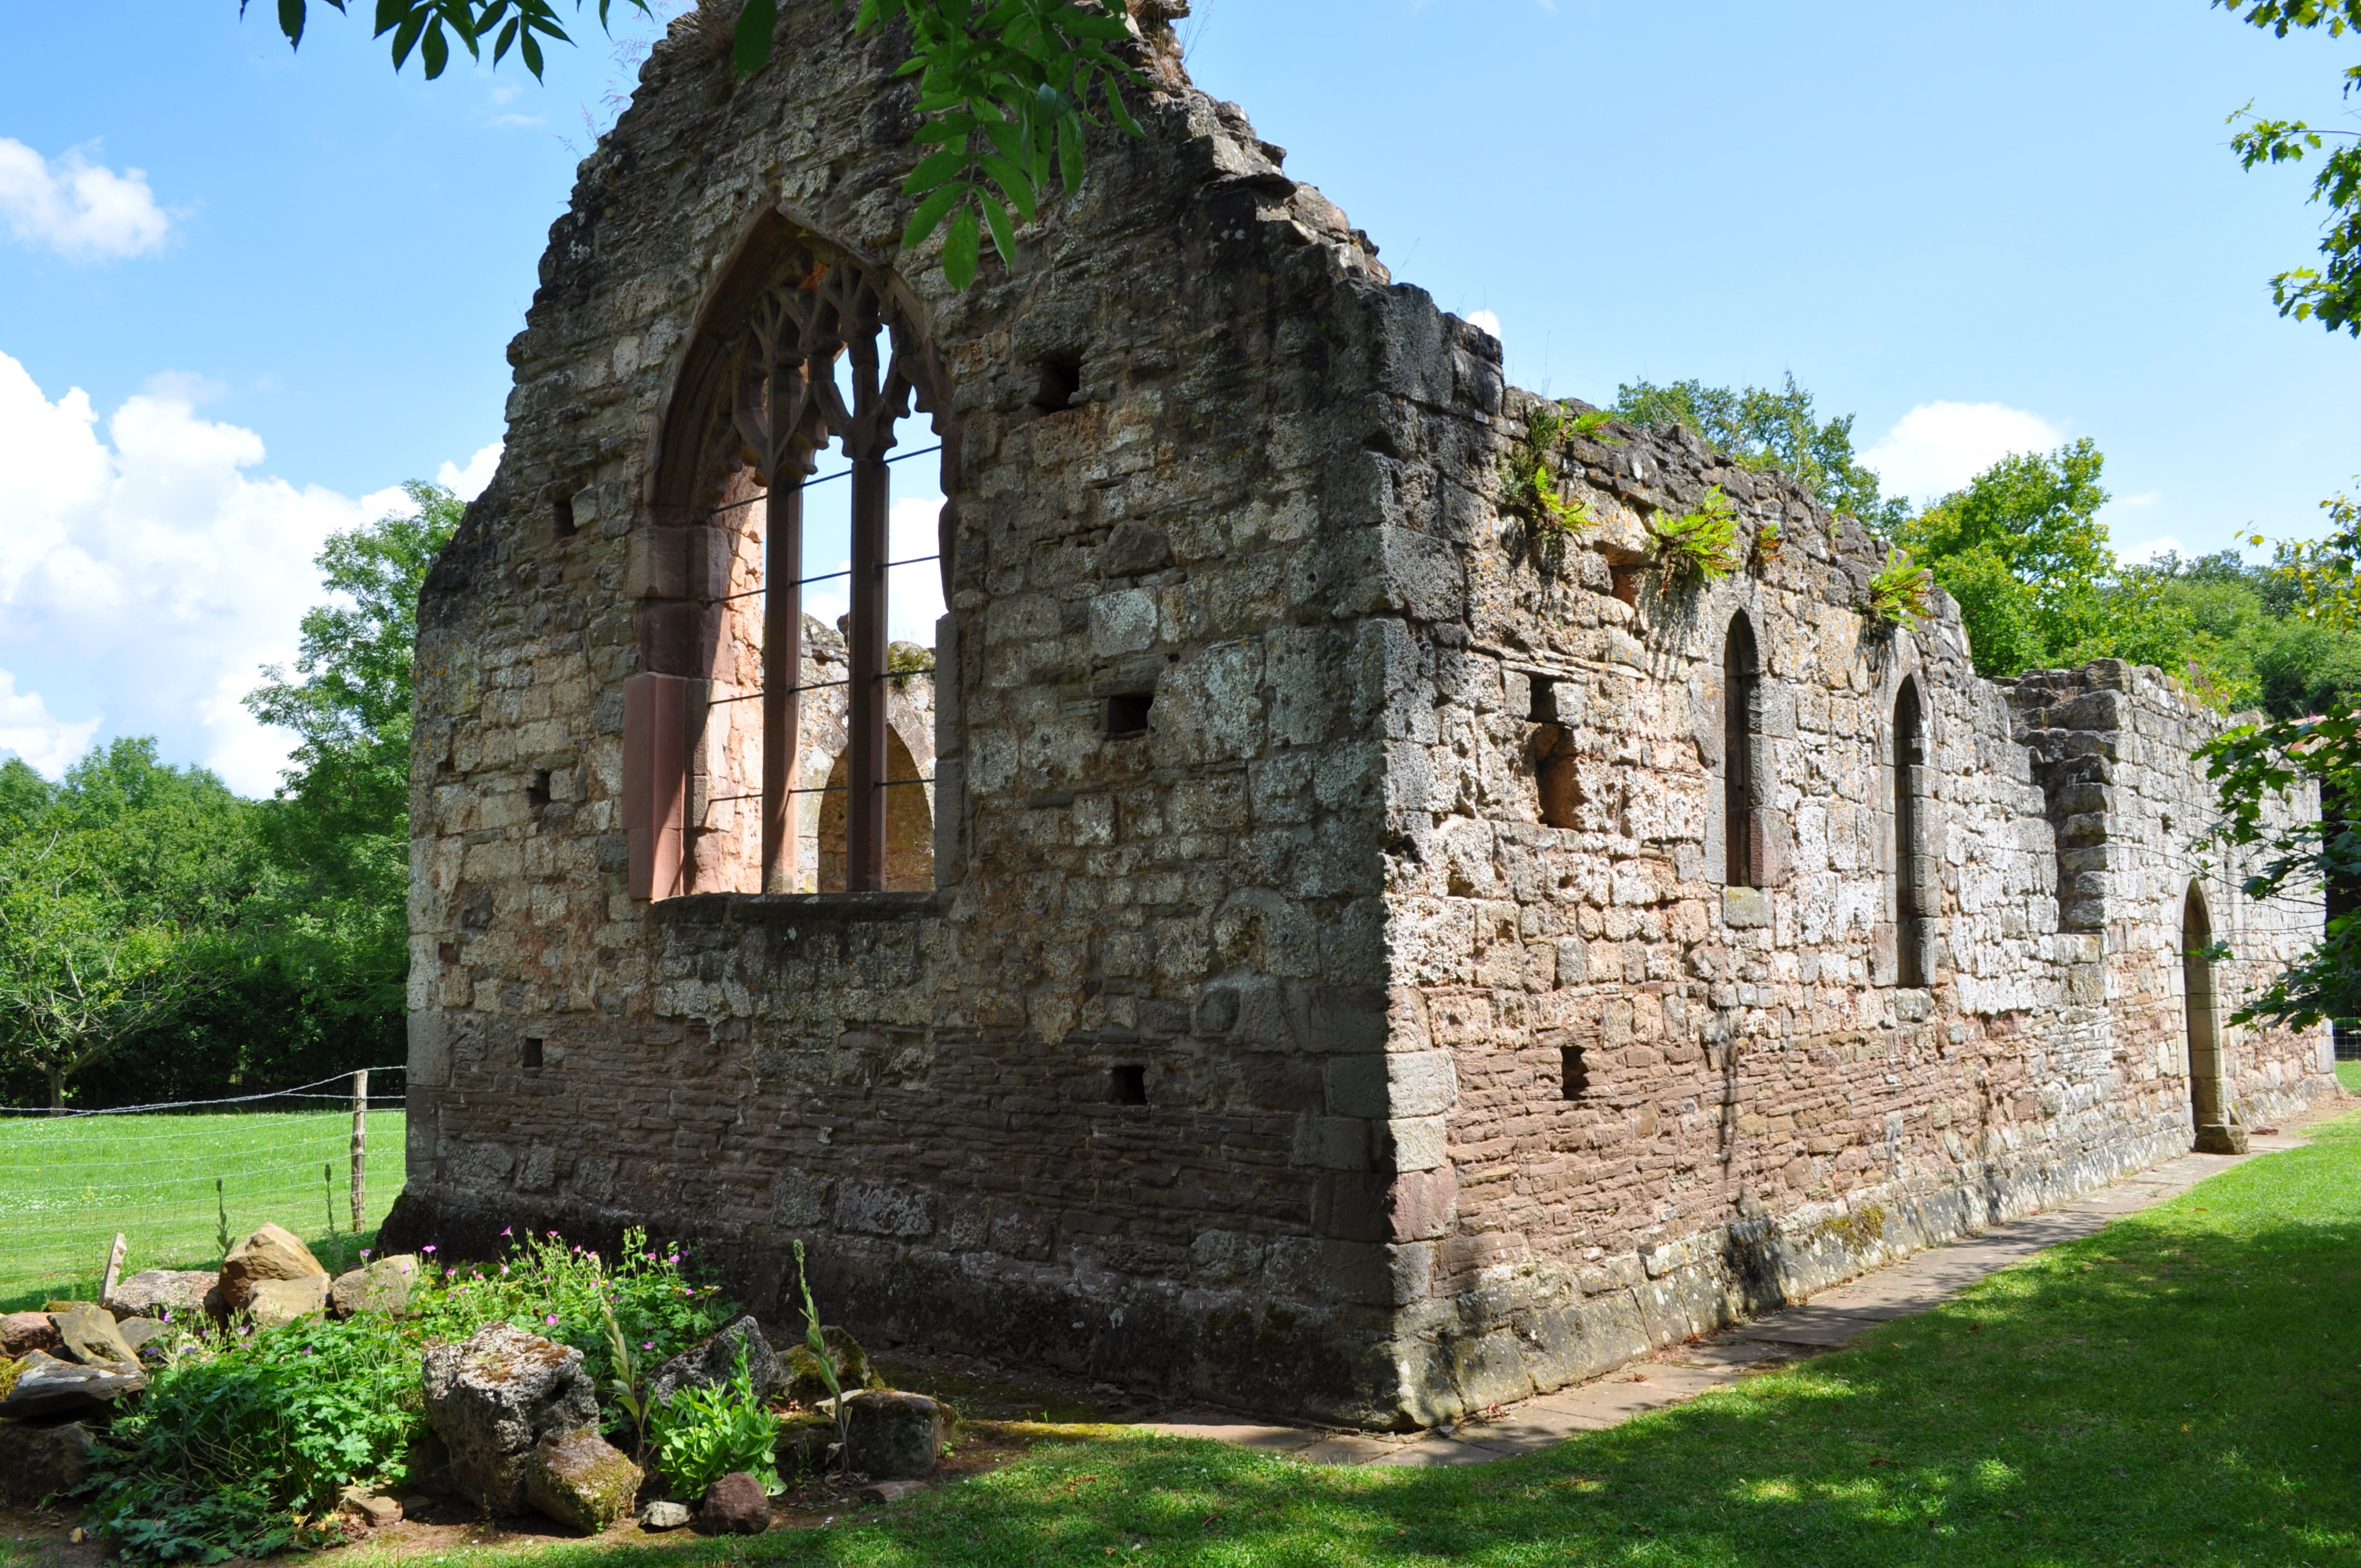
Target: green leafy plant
{"type": "Point", "coordinates": [1701, 545]}
{"type": "Point", "coordinates": [1530, 480]}
{"type": "Point", "coordinates": [704, 1434]}
{"type": "Point", "coordinates": [221, 1235]}
{"type": "Point", "coordinates": [623, 1385]}
{"type": "Point", "coordinates": [1008, 90]}
{"type": "Point", "coordinates": [1768, 539]}
{"type": "Point", "coordinates": [816, 1342]}
{"type": "Point", "coordinates": [242, 1444]}
{"type": "Point", "coordinates": [2331, 294]}
{"type": "Point", "coordinates": [1901, 589]}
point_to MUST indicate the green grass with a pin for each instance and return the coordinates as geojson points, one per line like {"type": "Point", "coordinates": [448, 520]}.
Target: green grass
{"type": "Point", "coordinates": [2179, 1389]}
{"type": "Point", "coordinates": [2348, 1073]}
{"type": "Point", "coordinates": [68, 1185]}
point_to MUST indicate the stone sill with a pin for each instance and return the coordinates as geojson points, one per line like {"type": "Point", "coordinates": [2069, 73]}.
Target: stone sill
{"type": "Point", "coordinates": [792, 909]}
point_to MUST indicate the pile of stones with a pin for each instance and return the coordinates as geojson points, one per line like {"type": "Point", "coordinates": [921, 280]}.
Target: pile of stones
{"type": "Point", "coordinates": [63, 1369]}
{"type": "Point", "coordinates": [512, 1417]}
{"type": "Point", "coordinates": [515, 1429]}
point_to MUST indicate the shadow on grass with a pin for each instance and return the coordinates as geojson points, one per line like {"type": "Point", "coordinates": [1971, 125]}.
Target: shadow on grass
{"type": "Point", "coordinates": [2179, 1388]}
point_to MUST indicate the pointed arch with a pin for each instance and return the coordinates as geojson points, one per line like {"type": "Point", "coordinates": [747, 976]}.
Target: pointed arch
{"type": "Point", "coordinates": [803, 341]}
{"type": "Point", "coordinates": [2200, 1018]}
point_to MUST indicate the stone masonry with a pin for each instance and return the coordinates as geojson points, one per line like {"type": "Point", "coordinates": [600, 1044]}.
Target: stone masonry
{"type": "Point", "coordinates": [1325, 990]}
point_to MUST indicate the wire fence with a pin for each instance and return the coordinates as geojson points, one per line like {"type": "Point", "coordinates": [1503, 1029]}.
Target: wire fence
{"type": "Point", "coordinates": [174, 1179]}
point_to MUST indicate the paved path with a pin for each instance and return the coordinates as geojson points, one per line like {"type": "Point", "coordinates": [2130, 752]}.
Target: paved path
{"type": "Point", "coordinates": [1680, 1372]}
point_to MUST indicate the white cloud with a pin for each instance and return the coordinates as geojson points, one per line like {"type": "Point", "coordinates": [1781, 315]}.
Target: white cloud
{"type": "Point", "coordinates": [2145, 499]}
{"type": "Point", "coordinates": [143, 570]}
{"type": "Point", "coordinates": [1936, 447]}
{"type": "Point", "coordinates": [467, 483]}
{"type": "Point", "coordinates": [83, 210]}
{"type": "Point", "coordinates": [1485, 320]}
{"type": "Point", "coordinates": [28, 728]}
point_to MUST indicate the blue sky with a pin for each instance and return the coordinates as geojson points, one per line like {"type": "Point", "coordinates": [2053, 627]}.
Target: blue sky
{"type": "Point", "coordinates": [1977, 227]}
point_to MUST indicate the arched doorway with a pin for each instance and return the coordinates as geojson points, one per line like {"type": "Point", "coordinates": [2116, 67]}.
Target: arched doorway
{"type": "Point", "coordinates": [2197, 1015]}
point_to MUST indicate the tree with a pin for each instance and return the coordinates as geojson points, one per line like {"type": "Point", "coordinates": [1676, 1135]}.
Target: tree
{"type": "Point", "coordinates": [2333, 295]}
{"type": "Point", "coordinates": [338, 833]}
{"type": "Point", "coordinates": [122, 896]}
{"type": "Point", "coordinates": [1770, 429]}
{"type": "Point", "coordinates": [1006, 92]}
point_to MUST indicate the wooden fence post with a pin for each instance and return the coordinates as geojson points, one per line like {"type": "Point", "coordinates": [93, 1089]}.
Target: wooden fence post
{"type": "Point", "coordinates": [360, 1148]}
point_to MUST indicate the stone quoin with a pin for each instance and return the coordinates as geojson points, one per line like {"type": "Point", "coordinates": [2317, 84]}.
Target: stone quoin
{"type": "Point", "coordinates": [1305, 936]}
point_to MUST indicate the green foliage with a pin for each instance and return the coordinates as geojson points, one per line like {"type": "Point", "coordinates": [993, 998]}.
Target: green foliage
{"type": "Point", "coordinates": [566, 1292]}
{"type": "Point", "coordinates": [339, 834]}
{"type": "Point", "coordinates": [1770, 431]}
{"type": "Point", "coordinates": [704, 1434]}
{"type": "Point", "coordinates": [1534, 475]}
{"type": "Point", "coordinates": [1008, 90]}
{"type": "Point", "coordinates": [240, 1448]}
{"type": "Point", "coordinates": [816, 1341]}
{"type": "Point", "coordinates": [1698, 546]}
{"type": "Point", "coordinates": [2333, 294]}
{"type": "Point", "coordinates": [243, 1441]}
{"type": "Point", "coordinates": [2253, 767]}
{"type": "Point", "coordinates": [1901, 589]}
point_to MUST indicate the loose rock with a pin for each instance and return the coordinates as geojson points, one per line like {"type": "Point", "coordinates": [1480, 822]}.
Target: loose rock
{"type": "Point", "coordinates": [494, 1398]}
{"type": "Point", "coordinates": [152, 1292]}
{"type": "Point", "coordinates": [712, 1363]}
{"type": "Point", "coordinates": [580, 1480]}
{"type": "Point", "coordinates": [21, 1334]}
{"type": "Point", "coordinates": [665, 1516]}
{"type": "Point", "coordinates": [382, 1287]}
{"type": "Point", "coordinates": [890, 1436]}
{"type": "Point", "coordinates": [371, 1510]}
{"type": "Point", "coordinates": [46, 1385]}
{"type": "Point", "coordinates": [273, 1302]}
{"type": "Point", "coordinates": [88, 1334]}
{"type": "Point", "coordinates": [736, 1506]}
{"type": "Point", "coordinates": [137, 1331]}
{"type": "Point", "coordinates": [270, 1253]}
{"type": "Point", "coordinates": [38, 1458]}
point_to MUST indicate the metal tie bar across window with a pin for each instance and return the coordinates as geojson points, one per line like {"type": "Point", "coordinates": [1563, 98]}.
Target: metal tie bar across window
{"type": "Point", "coordinates": [827, 577]}
{"type": "Point", "coordinates": [825, 789]}
{"type": "Point", "coordinates": [824, 478]}
{"type": "Point", "coordinates": [820, 687]}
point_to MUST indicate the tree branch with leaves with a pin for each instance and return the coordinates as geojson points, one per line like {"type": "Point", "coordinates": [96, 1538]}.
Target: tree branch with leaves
{"type": "Point", "coordinates": [1008, 90]}
{"type": "Point", "coordinates": [2332, 293]}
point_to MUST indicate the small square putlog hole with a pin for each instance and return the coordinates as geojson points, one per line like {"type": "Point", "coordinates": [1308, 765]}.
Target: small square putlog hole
{"type": "Point", "coordinates": [531, 1055]}
{"type": "Point", "coordinates": [1126, 715]}
{"type": "Point", "coordinates": [1061, 383]}
{"type": "Point", "coordinates": [1573, 1076]}
{"type": "Point", "coordinates": [536, 794]}
{"type": "Point", "coordinates": [1127, 1085]}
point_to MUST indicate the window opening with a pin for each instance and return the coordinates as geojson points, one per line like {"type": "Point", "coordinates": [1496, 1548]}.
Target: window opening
{"type": "Point", "coordinates": [1126, 715]}
{"type": "Point", "coordinates": [561, 515]}
{"type": "Point", "coordinates": [2197, 1008]}
{"type": "Point", "coordinates": [1739, 726]}
{"type": "Point", "coordinates": [530, 1056]}
{"type": "Point", "coordinates": [1911, 894]}
{"type": "Point", "coordinates": [1127, 1085]}
{"type": "Point", "coordinates": [1061, 383]}
{"type": "Point", "coordinates": [1574, 1074]}
{"type": "Point", "coordinates": [536, 794]}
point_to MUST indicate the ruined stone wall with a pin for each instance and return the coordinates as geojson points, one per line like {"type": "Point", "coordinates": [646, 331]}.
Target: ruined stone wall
{"type": "Point", "coordinates": [1231, 1053]}
{"type": "Point", "coordinates": [1666, 1101]}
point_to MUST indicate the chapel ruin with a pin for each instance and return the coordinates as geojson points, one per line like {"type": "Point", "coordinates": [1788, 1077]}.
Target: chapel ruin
{"type": "Point", "coordinates": [1308, 935]}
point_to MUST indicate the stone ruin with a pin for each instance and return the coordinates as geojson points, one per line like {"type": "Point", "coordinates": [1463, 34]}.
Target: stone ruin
{"type": "Point", "coordinates": [1315, 939]}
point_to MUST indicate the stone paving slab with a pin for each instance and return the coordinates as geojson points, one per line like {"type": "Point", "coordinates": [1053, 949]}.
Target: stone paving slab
{"type": "Point", "coordinates": [1678, 1373]}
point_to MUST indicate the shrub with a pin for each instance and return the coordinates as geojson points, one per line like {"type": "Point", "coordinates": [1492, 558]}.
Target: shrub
{"type": "Point", "coordinates": [241, 1445]}
{"type": "Point", "coordinates": [705, 1433]}
{"type": "Point", "coordinates": [1701, 545]}
{"type": "Point", "coordinates": [1901, 589]}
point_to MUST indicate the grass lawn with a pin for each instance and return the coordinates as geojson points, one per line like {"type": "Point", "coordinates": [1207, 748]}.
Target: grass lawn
{"type": "Point", "coordinates": [2348, 1073]}
{"type": "Point", "coordinates": [2179, 1389]}
{"type": "Point", "coordinates": [69, 1184]}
